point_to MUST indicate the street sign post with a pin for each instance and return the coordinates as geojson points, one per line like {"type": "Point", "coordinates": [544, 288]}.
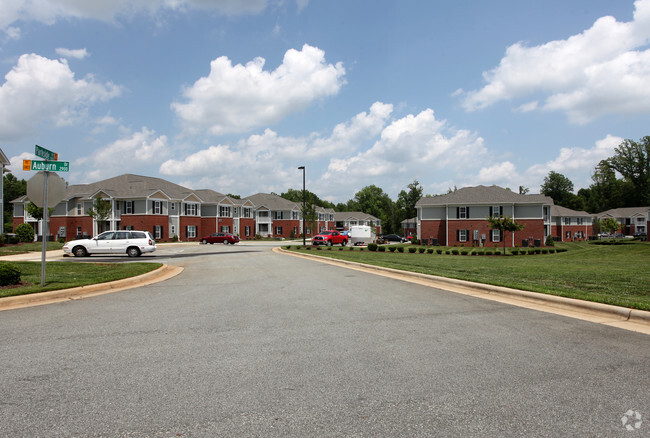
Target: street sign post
{"type": "Point", "coordinates": [48, 165]}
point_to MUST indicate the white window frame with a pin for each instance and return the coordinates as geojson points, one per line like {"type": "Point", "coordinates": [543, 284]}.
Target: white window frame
{"type": "Point", "coordinates": [191, 231]}
{"type": "Point", "coordinates": [224, 211]}
{"type": "Point", "coordinates": [462, 212]}
{"type": "Point", "coordinates": [80, 209]}
{"type": "Point", "coordinates": [157, 207]}
{"type": "Point", "coordinates": [247, 212]}
{"type": "Point", "coordinates": [225, 228]}
{"type": "Point", "coordinates": [278, 230]}
{"type": "Point", "coordinates": [462, 235]}
{"type": "Point", "coordinates": [496, 235]}
{"type": "Point", "coordinates": [128, 207]}
{"type": "Point", "coordinates": [191, 209]}
{"type": "Point", "coordinates": [567, 221]}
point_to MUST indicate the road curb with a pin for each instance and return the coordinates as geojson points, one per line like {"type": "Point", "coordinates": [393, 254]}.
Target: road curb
{"type": "Point", "coordinates": [607, 311]}
{"type": "Point", "coordinates": [163, 273]}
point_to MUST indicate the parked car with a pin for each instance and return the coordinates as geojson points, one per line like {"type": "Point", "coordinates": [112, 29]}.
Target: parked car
{"type": "Point", "coordinates": [224, 238]}
{"type": "Point", "coordinates": [329, 238]}
{"type": "Point", "coordinates": [130, 242]}
{"type": "Point", "coordinates": [391, 238]}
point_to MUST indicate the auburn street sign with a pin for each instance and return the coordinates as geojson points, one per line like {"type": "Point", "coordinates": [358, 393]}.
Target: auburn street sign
{"type": "Point", "coordinates": [50, 166]}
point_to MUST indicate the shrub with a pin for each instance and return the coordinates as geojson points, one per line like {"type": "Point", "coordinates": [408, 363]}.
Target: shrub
{"type": "Point", "coordinates": [438, 251]}
{"type": "Point", "coordinates": [488, 252]}
{"type": "Point", "coordinates": [400, 249]}
{"type": "Point", "coordinates": [415, 241]}
{"type": "Point", "coordinates": [341, 249]}
{"type": "Point", "coordinates": [430, 251]}
{"type": "Point", "coordinates": [549, 241]}
{"type": "Point", "coordinates": [514, 252]}
{"type": "Point", "coordinates": [25, 232]}
{"type": "Point", "coordinates": [448, 252]}
{"type": "Point", "coordinates": [174, 238]}
{"type": "Point", "coordinates": [308, 248]}
{"type": "Point", "coordinates": [538, 250]}
{"type": "Point", "coordinates": [372, 247]}
{"type": "Point", "coordinates": [551, 251]}
{"type": "Point", "coordinates": [421, 250]}
{"type": "Point", "coordinates": [455, 252]}
{"type": "Point", "coordinates": [412, 250]}
{"type": "Point", "coordinates": [544, 251]}
{"type": "Point", "coordinates": [381, 249]}
{"type": "Point", "coordinates": [287, 247]}
{"type": "Point", "coordinates": [391, 248]}
{"type": "Point", "coordinates": [464, 252]}
{"type": "Point", "coordinates": [9, 274]}
{"type": "Point", "coordinates": [318, 248]}
{"type": "Point", "coordinates": [351, 249]}
{"type": "Point", "coordinates": [531, 251]}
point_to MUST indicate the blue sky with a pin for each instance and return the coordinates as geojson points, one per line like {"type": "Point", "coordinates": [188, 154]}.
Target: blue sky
{"type": "Point", "coordinates": [234, 95]}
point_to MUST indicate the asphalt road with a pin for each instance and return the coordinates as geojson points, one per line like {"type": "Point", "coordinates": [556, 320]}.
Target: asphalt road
{"type": "Point", "coordinates": [246, 342]}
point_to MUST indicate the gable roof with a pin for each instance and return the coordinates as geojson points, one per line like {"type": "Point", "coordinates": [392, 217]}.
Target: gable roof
{"type": "Point", "coordinates": [483, 195]}
{"type": "Point", "coordinates": [342, 216]}
{"type": "Point", "coordinates": [559, 211]}
{"type": "Point", "coordinates": [129, 186]}
{"type": "Point", "coordinates": [272, 202]}
{"type": "Point", "coordinates": [626, 212]}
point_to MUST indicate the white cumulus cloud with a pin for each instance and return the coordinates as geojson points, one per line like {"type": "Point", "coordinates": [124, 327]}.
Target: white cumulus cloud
{"type": "Point", "coordinates": [50, 11]}
{"type": "Point", "coordinates": [125, 155]}
{"type": "Point", "coordinates": [603, 70]}
{"type": "Point", "coordinates": [72, 53]}
{"type": "Point", "coordinates": [40, 90]}
{"type": "Point", "coordinates": [241, 97]}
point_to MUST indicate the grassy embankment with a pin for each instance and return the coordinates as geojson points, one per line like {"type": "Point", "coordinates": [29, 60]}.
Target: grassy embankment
{"type": "Point", "coordinates": [613, 274]}
{"type": "Point", "coordinates": [63, 275]}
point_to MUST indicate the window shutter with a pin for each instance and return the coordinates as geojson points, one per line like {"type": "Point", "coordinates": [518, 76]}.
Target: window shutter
{"type": "Point", "coordinates": [187, 231]}
{"type": "Point", "coordinates": [457, 212]}
{"type": "Point", "coordinates": [457, 235]}
{"type": "Point", "coordinates": [491, 212]}
{"type": "Point", "coordinates": [500, 211]}
{"type": "Point", "coordinates": [467, 210]}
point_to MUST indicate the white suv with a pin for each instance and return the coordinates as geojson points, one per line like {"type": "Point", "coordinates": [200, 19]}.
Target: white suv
{"type": "Point", "coordinates": [132, 243]}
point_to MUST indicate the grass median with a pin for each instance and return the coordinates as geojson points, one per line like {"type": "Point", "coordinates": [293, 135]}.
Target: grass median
{"type": "Point", "coordinates": [64, 275]}
{"type": "Point", "coordinates": [611, 274]}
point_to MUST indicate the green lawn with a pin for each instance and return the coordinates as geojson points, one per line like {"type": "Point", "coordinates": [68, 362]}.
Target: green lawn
{"type": "Point", "coordinates": [617, 274]}
{"type": "Point", "coordinates": [63, 275]}
{"type": "Point", "coordinates": [28, 247]}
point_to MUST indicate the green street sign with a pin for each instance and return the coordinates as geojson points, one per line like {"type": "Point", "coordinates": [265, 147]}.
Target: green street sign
{"type": "Point", "coordinates": [45, 154]}
{"type": "Point", "coordinates": [50, 166]}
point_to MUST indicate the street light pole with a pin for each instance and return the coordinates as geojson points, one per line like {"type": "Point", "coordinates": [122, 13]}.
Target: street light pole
{"type": "Point", "coordinates": [304, 207]}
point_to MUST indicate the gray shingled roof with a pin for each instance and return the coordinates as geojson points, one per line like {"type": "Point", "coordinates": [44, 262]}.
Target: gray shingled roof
{"type": "Point", "coordinates": [272, 202]}
{"type": "Point", "coordinates": [210, 196]}
{"type": "Point", "coordinates": [483, 195]}
{"type": "Point", "coordinates": [342, 216]}
{"type": "Point", "coordinates": [129, 185]}
{"type": "Point", "coordinates": [625, 212]}
{"type": "Point", "coordinates": [559, 211]}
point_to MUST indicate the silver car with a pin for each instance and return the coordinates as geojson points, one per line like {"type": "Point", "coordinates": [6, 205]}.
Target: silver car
{"type": "Point", "coordinates": [129, 242]}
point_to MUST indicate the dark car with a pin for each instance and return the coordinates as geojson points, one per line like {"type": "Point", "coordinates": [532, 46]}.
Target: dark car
{"type": "Point", "coordinates": [224, 238]}
{"type": "Point", "coordinates": [392, 238]}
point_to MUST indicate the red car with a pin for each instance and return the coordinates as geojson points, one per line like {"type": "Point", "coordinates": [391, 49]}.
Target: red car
{"type": "Point", "coordinates": [224, 238]}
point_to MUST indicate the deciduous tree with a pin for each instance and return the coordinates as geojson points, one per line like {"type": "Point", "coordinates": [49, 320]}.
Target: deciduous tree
{"type": "Point", "coordinates": [504, 223]}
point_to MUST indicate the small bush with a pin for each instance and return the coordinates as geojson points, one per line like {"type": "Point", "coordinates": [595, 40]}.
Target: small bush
{"type": "Point", "coordinates": [488, 252]}
{"type": "Point", "coordinates": [421, 250]}
{"type": "Point", "coordinates": [391, 248]}
{"type": "Point", "coordinates": [174, 238]}
{"type": "Point", "coordinates": [9, 274]}
{"type": "Point", "coordinates": [538, 250]}
{"type": "Point", "coordinates": [329, 248]}
{"type": "Point", "coordinates": [438, 251]}
{"type": "Point", "coordinates": [25, 232]}
{"type": "Point", "coordinates": [531, 251]}
{"type": "Point", "coordinates": [400, 249]}
{"type": "Point", "coordinates": [412, 250]}
{"type": "Point", "coordinates": [308, 248]}
{"type": "Point", "coordinates": [372, 247]}
{"type": "Point", "coordinates": [287, 247]}
{"type": "Point", "coordinates": [341, 249]}
{"type": "Point", "coordinates": [448, 252]}
{"type": "Point", "coordinates": [544, 251]}
{"type": "Point", "coordinates": [381, 249]}
{"type": "Point", "coordinates": [455, 252]}
{"type": "Point", "coordinates": [351, 249]}
{"type": "Point", "coordinates": [464, 252]}
{"type": "Point", "coordinates": [549, 241]}
{"type": "Point", "coordinates": [430, 251]}
{"type": "Point", "coordinates": [551, 251]}
{"type": "Point", "coordinates": [318, 248]}
{"type": "Point", "coordinates": [514, 251]}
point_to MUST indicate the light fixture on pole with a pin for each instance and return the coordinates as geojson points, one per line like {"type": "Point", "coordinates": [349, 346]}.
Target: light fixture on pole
{"type": "Point", "coordinates": [304, 207]}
